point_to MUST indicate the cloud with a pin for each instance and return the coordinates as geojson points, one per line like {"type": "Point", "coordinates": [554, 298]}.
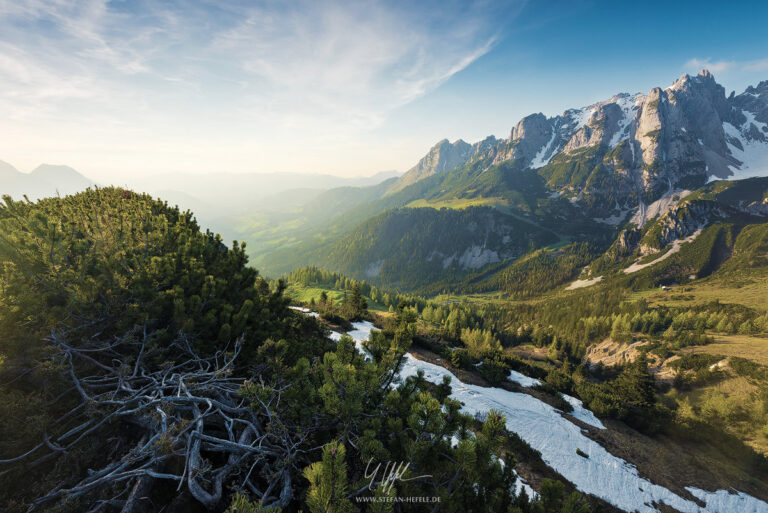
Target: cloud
{"type": "Point", "coordinates": [282, 65]}
{"type": "Point", "coordinates": [758, 65]}
{"type": "Point", "coordinates": [714, 66]}
{"type": "Point", "coordinates": [696, 64]}
{"type": "Point", "coordinates": [354, 62]}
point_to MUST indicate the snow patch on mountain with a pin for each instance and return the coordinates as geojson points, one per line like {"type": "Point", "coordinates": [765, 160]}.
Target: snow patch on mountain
{"type": "Point", "coordinates": [581, 413]}
{"type": "Point", "coordinates": [629, 106]}
{"type": "Point", "coordinates": [578, 412]}
{"type": "Point", "coordinates": [578, 284]}
{"type": "Point", "coordinates": [580, 117]}
{"type": "Point", "coordinates": [520, 483]}
{"type": "Point", "coordinates": [723, 500]}
{"type": "Point", "coordinates": [661, 206]}
{"type": "Point", "coordinates": [676, 245]}
{"type": "Point", "coordinates": [544, 155]}
{"type": "Point", "coordinates": [751, 152]}
{"type": "Point", "coordinates": [601, 474]}
{"type": "Point", "coordinates": [305, 311]}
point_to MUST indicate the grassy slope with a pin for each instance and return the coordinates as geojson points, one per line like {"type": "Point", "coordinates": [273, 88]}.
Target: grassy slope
{"type": "Point", "coordinates": [306, 294]}
{"type": "Point", "coordinates": [742, 346]}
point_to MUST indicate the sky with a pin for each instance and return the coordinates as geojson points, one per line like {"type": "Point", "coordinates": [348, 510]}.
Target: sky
{"type": "Point", "coordinates": [126, 88]}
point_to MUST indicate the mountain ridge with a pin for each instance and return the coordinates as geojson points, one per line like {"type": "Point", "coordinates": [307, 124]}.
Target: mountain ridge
{"type": "Point", "coordinates": [45, 180]}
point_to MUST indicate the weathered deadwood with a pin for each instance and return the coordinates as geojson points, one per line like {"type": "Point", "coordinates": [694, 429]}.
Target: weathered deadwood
{"type": "Point", "coordinates": [189, 411]}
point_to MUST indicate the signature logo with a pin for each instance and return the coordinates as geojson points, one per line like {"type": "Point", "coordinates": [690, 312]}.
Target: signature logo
{"type": "Point", "coordinates": [389, 475]}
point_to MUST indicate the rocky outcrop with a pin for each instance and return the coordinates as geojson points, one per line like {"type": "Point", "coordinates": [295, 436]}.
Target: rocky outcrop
{"type": "Point", "coordinates": [442, 157]}
{"type": "Point", "coordinates": [679, 223]}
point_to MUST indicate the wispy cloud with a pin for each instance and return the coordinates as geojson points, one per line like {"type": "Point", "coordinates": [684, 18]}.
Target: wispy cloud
{"type": "Point", "coordinates": [353, 63]}
{"type": "Point", "coordinates": [718, 66]}
{"type": "Point", "coordinates": [294, 65]}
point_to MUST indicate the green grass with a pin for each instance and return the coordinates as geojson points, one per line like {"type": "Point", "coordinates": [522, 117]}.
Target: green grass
{"type": "Point", "coordinates": [306, 294]}
{"type": "Point", "coordinates": [743, 346]}
{"type": "Point", "coordinates": [458, 203]}
{"type": "Point", "coordinates": [486, 298]}
{"type": "Point", "coordinates": [750, 289]}
{"type": "Point", "coordinates": [734, 402]}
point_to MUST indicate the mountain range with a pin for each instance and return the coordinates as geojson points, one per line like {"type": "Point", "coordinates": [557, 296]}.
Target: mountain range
{"type": "Point", "coordinates": [630, 148]}
{"type": "Point", "coordinates": [633, 174]}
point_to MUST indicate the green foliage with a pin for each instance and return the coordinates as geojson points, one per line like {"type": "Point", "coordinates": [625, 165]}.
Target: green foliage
{"type": "Point", "coordinates": [113, 264]}
{"type": "Point", "coordinates": [479, 342]}
{"type": "Point", "coordinates": [241, 504]}
{"type": "Point", "coordinates": [630, 397]}
{"type": "Point", "coordinates": [109, 250]}
{"type": "Point", "coordinates": [540, 272]}
{"type": "Point", "coordinates": [749, 369]}
{"type": "Point", "coordinates": [573, 168]}
{"type": "Point", "coordinates": [328, 482]}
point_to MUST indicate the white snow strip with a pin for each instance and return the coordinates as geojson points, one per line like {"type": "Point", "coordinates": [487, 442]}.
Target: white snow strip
{"type": "Point", "coordinates": [304, 311]}
{"type": "Point", "coordinates": [581, 413]}
{"type": "Point", "coordinates": [628, 105]}
{"type": "Point", "coordinates": [661, 206]}
{"type": "Point", "coordinates": [722, 500]}
{"type": "Point", "coordinates": [581, 117]}
{"type": "Point", "coordinates": [556, 438]}
{"type": "Point", "coordinates": [521, 484]}
{"type": "Point", "coordinates": [583, 283]}
{"type": "Point", "coordinates": [522, 379]}
{"type": "Point", "coordinates": [545, 154]}
{"type": "Point", "coordinates": [754, 156]}
{"type": "Point", "coordinates": [675, 248]}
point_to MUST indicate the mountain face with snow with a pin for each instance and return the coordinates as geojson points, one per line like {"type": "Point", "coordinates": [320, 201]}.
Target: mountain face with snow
{"type": "Point", "coordinates": [629, 150]}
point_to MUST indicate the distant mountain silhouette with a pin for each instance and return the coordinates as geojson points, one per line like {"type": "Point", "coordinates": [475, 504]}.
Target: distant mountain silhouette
{"type": "Point", "coordinates": [45, 180]}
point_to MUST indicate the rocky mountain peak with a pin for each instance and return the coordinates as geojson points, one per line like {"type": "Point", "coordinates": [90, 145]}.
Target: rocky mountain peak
{"type": "Point", "coordinates": [534, 125]}
{"type": "Point", "coordinates": [442, 157]}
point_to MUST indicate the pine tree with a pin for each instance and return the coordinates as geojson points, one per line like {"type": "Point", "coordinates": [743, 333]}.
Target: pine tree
{"type": "Point", "coordinates": [328, 482]}
{"type": "Point", "coordinates": [241, 504]}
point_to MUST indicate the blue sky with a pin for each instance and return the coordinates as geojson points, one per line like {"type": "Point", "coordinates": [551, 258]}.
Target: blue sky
{"type": "Point", "coordinates": [127, 88]}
